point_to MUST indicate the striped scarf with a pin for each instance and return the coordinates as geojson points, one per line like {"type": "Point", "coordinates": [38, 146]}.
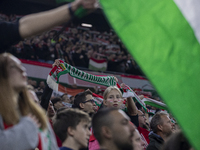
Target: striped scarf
{"type": "Point", "coordinates": [64, 68]}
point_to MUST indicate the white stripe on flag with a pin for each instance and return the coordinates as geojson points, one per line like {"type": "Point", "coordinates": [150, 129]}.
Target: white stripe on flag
{"type": "Point", "coordinates": [191, 11]}
{"type": "Point", "coordinates": [98, 65]}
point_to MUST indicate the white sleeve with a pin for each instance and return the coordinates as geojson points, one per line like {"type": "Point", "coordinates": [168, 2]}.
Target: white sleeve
{"type": "Point", "coordinates": [22, 136]}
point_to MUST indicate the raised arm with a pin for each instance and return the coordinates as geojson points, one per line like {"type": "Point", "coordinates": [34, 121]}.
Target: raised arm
{"type": "Point", "coordinates": [131, 107]}
{"type": "Point", "coordinates": [48, 91]}
{"type": "Point", "coordinates": [36, 23]}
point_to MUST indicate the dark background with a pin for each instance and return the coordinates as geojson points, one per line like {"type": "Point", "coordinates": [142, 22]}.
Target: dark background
{"type": "Point", "coordinates": [24, 7]}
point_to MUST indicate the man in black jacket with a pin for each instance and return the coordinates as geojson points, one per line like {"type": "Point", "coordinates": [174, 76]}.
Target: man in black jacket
{"type": "Point", "coordinates": [161, 127]}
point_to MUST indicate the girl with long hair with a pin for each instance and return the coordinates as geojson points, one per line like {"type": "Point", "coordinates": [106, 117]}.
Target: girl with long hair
{"type": "Point", "coordinates": [23, 124]}
{"type": "Point", "coordinates": [112, 97]}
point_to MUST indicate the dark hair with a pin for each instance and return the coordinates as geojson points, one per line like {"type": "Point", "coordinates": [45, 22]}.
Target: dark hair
{"type": "Point", "coordinates": [63, 95]}
{"type": "Point", "coordinates": [177, 141]}
{"type": "Point", "coordinates": [71, 97]}
{"type": "Point", "coordinates": [68, 118]}
{"type": "Point", "coordinates": [80, 98]}
{"type": "Point", "coordinates": [55, 100]}
{"type": "Point", "coordinates": [101, 118]}
{"type": "Point", "coordinates": [157, 120]}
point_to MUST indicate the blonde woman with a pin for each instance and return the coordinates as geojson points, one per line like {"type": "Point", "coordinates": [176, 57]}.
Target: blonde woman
{"type": "Point", "coordinates": [23, 125]}
{"type": "Point", "coordinates": [112, 97]}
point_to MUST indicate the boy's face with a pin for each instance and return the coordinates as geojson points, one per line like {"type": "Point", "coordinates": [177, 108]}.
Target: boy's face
{"type": "Point", "coordinates": [82, 134]}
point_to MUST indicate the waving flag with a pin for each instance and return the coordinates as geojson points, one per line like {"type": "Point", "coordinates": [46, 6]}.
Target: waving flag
{"type": "Point", "coordinates": [97, 65]}
{"type": "Point", "coordinates": [154, 103]}
{"type": "Point", "coordinates": [163, 36]}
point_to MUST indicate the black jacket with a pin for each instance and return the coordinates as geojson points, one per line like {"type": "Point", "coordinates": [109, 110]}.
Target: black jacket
{"type": "Point", "coordinates": [156, 142]}
{"type": "Point", "coordinates": [9, 35]}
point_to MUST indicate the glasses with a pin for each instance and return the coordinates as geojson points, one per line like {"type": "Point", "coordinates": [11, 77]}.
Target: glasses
{"type": "Point", "coordinates": [142, 115]}
{"type": "Point", "coordinates": [91, 100]}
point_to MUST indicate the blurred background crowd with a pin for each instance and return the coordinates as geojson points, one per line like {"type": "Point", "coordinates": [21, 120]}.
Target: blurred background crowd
{"type": "Point", "coordinates": [76, 46]}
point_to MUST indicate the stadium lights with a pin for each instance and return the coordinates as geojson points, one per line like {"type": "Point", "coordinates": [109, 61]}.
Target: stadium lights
{"type": "Point", "coordinates": [86, 25]}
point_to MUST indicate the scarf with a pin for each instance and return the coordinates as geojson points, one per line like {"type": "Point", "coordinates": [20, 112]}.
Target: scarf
{"type": "Point", "coordinates": [128, 92]}
{"type": "Point", "coordinates": [64, 68]}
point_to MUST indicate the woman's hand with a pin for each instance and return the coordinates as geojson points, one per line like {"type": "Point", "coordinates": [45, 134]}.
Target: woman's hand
{"type": "Point", "coordinates": [56, 63]}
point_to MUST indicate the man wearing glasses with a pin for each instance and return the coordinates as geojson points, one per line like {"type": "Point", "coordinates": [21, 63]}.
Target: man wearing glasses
{"type": "Point", "coordinates": [142, 128]}
{"type": "Point", "coordinates": [85, 101]}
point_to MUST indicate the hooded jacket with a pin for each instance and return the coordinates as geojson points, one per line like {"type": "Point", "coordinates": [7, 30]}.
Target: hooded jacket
{"type": "Point", "coordinates": [156, 141]}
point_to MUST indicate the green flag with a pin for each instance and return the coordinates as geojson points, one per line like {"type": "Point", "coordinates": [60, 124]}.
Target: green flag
{"type": "Point", "coordinates": [163, 36]}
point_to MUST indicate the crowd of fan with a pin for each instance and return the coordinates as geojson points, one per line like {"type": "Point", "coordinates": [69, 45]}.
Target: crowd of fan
{"type": "Point", "coordinates": [147, 133]}
{"type": "Point", "coordinates": [76, 45]}
{"type": "Point", "coordinates": [119, 123]}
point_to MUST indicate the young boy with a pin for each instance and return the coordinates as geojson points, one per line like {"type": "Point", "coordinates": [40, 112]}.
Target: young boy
{"type": "Point", "coordinates": [72, 127]}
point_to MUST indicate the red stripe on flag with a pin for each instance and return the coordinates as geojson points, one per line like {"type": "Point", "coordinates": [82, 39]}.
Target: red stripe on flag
{"type": "Point", "coordinates": [36, 63]}
{"type": "Point", "coordinates": [134, 76]}
{"type": "Point", "coordinates": [98, 61]}
{"type": "Point", "coordinates": [69, 91]}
